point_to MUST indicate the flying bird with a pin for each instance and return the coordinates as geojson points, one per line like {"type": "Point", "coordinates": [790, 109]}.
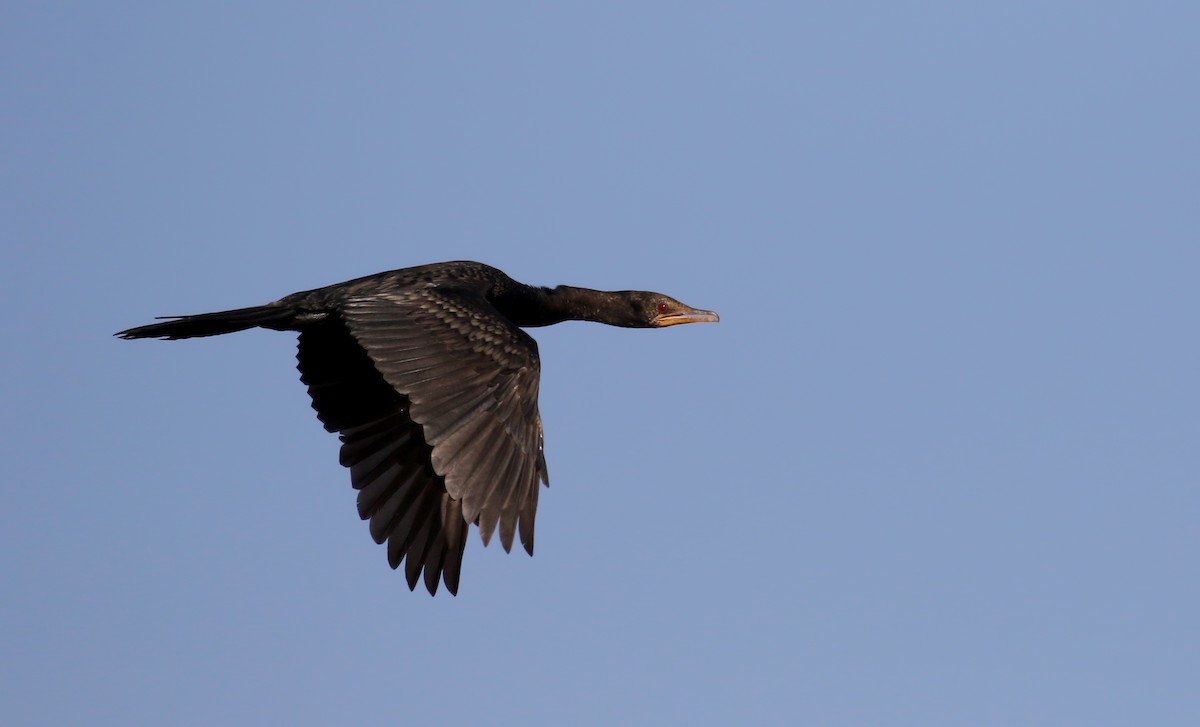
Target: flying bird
{"type": "Point", "coordinates": [432, 386]}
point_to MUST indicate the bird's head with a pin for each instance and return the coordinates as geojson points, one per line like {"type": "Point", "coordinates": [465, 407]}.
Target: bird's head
{"type": "Point", "coordinates": [655, 310]}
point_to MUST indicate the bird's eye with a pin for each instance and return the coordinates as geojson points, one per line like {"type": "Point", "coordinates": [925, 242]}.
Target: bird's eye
{"type": "Point", "coordinates": [662, 307]}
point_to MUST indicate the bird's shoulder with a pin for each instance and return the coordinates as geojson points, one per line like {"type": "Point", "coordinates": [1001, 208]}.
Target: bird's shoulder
{"type": "Point", "coordinates": [461, 275]}
{"type": "Point", "coordinates": [405, 285]}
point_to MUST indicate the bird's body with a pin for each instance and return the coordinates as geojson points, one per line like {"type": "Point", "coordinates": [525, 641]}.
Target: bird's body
{"type": "Point", "coordinates": [432, 385]}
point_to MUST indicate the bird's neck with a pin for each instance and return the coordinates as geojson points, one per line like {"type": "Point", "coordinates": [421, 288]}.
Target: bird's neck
{"type": "Point", "coordinates": [529, 306]}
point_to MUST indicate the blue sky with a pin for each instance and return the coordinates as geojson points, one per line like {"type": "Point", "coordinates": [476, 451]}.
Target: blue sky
{"type": "Point", "coordinates": [938, 463]}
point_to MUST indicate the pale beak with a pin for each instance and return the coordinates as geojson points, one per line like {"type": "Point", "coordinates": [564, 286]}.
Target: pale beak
{"type": "Point", "coordinates": [688, 315]}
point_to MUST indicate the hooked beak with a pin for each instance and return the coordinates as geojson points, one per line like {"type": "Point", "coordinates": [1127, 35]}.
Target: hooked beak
{"type": "Point", "coordinates": [687, 315]}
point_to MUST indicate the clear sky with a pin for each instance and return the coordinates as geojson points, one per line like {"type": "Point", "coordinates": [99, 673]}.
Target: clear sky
{"type": "Point", "coordinates": [937, 465]}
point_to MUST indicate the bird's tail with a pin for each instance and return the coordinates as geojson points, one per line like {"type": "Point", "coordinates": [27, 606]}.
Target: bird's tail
{"type": "Point", "coordinates": [214, 324]}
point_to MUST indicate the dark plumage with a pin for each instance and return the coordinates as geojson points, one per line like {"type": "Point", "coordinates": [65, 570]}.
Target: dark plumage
{"type": "Point", "coordinates": [431, 383]}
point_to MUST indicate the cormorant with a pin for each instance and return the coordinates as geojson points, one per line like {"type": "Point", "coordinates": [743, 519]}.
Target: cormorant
{"type": "Point", "coordinates": [432, 385]}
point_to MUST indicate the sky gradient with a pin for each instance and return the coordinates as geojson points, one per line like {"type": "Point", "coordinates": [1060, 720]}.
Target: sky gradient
{"type": "Point", "coordinates": [937, 465]}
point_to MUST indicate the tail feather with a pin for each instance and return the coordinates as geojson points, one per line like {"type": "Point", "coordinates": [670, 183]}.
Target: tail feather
{"type": "Point", "coordinates": [213, 324]}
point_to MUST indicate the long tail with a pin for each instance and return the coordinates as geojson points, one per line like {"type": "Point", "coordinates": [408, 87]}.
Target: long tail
{"type": "Point", "coordinates": [214, 324]}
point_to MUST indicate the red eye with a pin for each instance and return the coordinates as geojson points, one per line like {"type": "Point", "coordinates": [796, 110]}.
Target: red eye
{"type": "Point", "coordinates": [662, 307]}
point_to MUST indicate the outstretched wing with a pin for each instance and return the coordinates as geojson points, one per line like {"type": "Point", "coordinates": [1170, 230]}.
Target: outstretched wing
{"type": "Point", "coordinates": [470, 379]}
{"type": "Point", "coordinates": [398, 489]}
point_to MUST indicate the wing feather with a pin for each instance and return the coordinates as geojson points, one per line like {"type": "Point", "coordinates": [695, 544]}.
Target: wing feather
{"type": "Point", "coordinates": [399, 492]}
{"type": "Point", "coordinates": [471, 377]}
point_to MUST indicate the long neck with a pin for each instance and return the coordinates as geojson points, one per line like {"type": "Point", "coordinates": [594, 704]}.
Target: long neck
{"type": "Point", "coordinates": [529, 306]}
